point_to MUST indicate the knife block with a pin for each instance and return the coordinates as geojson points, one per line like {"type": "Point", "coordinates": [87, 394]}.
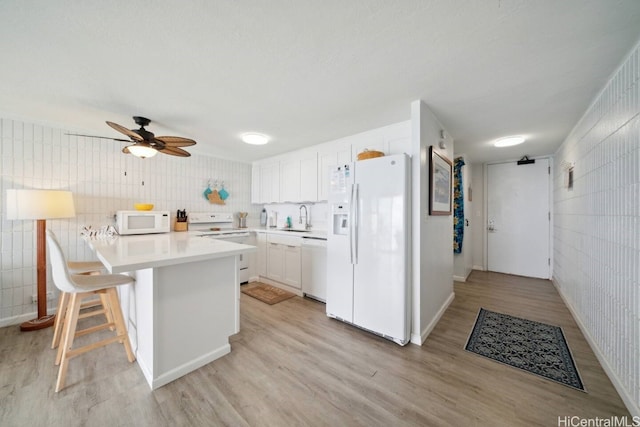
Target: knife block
{"type": "Point", "coordinates": [180, 226]}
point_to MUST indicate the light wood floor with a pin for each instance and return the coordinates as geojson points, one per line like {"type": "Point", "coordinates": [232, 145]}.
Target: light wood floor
{"type": "Point", "coordinates": [291, 366]}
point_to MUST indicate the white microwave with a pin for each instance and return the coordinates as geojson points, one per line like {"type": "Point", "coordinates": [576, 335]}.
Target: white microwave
{"type": "Point", "coordinates": [142, 222]}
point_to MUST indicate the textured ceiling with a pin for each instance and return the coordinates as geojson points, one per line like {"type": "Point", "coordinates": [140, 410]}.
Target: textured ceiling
{"type": "Point", "coordinates": [305, 72]}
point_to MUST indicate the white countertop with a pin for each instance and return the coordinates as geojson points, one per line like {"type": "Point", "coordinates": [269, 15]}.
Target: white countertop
{"type": "Point", "coordinates": [316, 234]}
{"type": "Point", "coordinates": [129, 253]}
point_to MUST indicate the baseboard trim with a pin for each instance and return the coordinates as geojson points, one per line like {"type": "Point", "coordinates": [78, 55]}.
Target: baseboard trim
{"type": "Point", "coordinates": [459, 278]}
{"type": "Point", "coordinates": [628, 400]}
{"type": "Point", "coordinates": [420, 339]}
{"type": "Point", "coordinates": [477, 267]}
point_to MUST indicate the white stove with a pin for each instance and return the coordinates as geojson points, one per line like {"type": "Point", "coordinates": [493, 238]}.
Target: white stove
{"type": "Point", "coordinates": [219, 226]}
{"type": "Point", "coordinates": [215, 224]}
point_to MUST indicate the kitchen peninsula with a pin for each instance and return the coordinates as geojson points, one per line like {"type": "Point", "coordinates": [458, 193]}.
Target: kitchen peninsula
{"type": "Point", "coordinates": [185, 302]}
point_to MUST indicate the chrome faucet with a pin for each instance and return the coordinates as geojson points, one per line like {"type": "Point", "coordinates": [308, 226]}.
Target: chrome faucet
{"type": "Point", "coordinates": [306, 217]}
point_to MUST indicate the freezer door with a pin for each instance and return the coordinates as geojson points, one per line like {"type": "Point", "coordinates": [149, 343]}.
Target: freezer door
{"type": "Point", "coordinates": [381, 285]}
{"type": "Point", "coordinates": [339, 266]}
{"type": "Point", "coordinates": [339, 244]}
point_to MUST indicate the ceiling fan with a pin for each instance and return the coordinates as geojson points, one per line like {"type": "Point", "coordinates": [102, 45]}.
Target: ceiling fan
{"type": "Point", "coordinates": [145, 143]}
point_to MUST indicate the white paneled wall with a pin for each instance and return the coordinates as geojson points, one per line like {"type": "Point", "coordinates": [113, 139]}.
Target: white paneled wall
{"type": "Point", "coordinates": [597, 227]}
{"type": "Point", "coordinates": [102, 180]}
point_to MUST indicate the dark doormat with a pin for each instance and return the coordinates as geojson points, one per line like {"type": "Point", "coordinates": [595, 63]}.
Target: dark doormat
{"type": "Point", "coordinates": [531, 346]}
{"type": "Point", "coordinates": [267, 293]}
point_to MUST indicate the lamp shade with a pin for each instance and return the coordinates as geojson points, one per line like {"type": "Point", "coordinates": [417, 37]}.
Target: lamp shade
{"type": "Point", "coordinates": [39, 204]}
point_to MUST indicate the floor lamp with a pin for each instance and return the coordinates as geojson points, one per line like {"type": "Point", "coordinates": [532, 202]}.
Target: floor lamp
{"type": "Point", "coordinates": [40, 205]}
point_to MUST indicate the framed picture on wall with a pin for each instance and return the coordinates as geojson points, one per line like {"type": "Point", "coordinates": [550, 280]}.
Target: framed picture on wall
{"type": "Point", "coordinates": [440, 180]}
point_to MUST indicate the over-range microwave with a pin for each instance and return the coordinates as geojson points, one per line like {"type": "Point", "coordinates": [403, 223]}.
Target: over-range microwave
{"type": "Point", "coordinates": [142, 222]}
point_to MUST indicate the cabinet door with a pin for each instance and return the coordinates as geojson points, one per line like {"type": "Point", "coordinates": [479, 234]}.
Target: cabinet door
{"type": "Point", "coordinates": [309, 178]}
{"type": "Point", "coordinates": [270, 182]}
{"type": "Point", "coordinates": [292, 266]}
{"type": "Point", "coordinates": [262, 254]}
{"type": "Point", "coordinates": [326, 161]}
{"type": "Point", "coordinates": [275, 261]}
{"type": "Point", "coordinates": [290, 182]}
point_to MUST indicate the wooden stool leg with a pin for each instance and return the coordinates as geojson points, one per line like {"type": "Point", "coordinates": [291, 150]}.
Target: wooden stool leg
{"type": "Point", "coordinates": [63, 301]}
{"type": "Point", "coordinates": [107, 311]}
{"type": "Point", "coordinates": [70, 323]}
{"type": "Point", "coordinates": [121, 329]}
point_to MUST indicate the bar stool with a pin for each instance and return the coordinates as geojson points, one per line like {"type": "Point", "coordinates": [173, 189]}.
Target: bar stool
{"type": "Point", "coordinates": [77, 267]}
{"type": "Point", "coordinates": [79, 287]}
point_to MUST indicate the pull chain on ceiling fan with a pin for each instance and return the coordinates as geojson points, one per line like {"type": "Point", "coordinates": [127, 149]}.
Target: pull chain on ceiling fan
{"type": "Point", "coordinates": [145, 143]}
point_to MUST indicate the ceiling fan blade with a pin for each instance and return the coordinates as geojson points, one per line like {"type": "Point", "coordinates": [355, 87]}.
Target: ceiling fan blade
{"type": "Point", "coordinates": [176, 141]}
{"type": "Point", "coordinates": [131, 134]}
{"type": "Point", "coordinates": [175, 151]}
{"type": "Point", "coordinates": [101, 137]}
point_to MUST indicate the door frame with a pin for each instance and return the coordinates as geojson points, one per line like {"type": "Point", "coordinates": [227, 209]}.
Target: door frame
{"type": "Point", "coordinates": [485, 201]}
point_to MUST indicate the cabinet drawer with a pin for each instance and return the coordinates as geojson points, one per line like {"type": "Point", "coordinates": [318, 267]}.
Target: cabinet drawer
{"type": "Point", "coordinates": [284, 240]}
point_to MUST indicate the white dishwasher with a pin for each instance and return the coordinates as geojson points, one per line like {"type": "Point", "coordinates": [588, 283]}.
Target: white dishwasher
{"type": "Point", "coordinates": [314, 268]}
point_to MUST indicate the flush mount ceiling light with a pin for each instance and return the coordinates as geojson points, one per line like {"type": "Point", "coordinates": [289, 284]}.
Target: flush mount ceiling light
{"type": "Point", "coordinates": [255, 138]}
{"type": "Point", "coordinates": [509, 141]}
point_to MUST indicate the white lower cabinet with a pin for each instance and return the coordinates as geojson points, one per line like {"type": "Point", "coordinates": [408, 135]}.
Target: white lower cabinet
{"type": "Point", "coordinates": [283, 259]}
{"type": "Point", "coordinates": [292, 268]}
{"type": "Point", "coordinates": [275, 263]}
{"type": "Point", "coordinates": [261, 244]}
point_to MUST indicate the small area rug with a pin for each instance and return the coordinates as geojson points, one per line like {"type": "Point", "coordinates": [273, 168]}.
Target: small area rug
{"type": "Point", "coordinates": [267, 293]}
{"type": "Point", "coordinates": [531, 346]}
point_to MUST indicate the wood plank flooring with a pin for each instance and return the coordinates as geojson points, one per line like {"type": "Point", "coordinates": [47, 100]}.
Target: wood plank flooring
{"type": "Point", "coordinates": [292, 366]}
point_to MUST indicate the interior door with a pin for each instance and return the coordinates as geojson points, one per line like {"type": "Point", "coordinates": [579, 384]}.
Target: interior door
{"type": "Point", "coordinates": [518, 218]}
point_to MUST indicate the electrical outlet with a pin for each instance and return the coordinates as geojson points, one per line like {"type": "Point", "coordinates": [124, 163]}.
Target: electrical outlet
{"type": "Point", "coordinates": [34, 297]}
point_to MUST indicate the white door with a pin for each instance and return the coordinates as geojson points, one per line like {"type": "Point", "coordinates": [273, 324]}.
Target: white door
{"type": "Point", "coordinates": [518, 218]}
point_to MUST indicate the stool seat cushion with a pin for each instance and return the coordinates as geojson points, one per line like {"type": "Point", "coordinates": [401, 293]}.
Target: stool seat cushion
{"type": "Point", "coordinates": [76, 267]}
{"type": "Point", "coordinates": [86, 283]}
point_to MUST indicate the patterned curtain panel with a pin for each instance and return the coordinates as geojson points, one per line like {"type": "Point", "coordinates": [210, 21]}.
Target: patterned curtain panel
{"type": "Point", "coordinates": [458, 206]}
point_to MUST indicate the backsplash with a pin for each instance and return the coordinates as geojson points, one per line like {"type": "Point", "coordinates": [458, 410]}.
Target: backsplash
{"type": "Point", "coordinates": [102, 180]}
{"type": "Point", "coordinates": [596, 235]}
{"type": "Point", "coordinates": [317, 214]}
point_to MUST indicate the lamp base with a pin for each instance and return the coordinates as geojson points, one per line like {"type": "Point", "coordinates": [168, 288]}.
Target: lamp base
{"type": "Point", "coordinates": [40, 323]}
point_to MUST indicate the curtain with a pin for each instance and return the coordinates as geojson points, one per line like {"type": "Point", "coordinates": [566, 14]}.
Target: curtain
{"type": "Point", "coordinates": [458, 205]}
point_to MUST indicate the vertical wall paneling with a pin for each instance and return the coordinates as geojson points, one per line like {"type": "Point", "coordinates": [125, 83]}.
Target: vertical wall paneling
{"type": "Point", "coordinates": [597, 226]}
{"type": "Point", "coordinates": [102, 180]}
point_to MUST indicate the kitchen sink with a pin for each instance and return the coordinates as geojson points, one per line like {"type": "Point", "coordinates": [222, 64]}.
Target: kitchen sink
{"type": "Point", "coordinates": [293, 230]}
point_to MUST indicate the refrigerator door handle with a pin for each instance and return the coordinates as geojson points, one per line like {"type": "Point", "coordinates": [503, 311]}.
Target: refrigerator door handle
{"type": "Point", "coordinates": [355, 222]}
{"type": "Point", "coordinates": [351, 225]}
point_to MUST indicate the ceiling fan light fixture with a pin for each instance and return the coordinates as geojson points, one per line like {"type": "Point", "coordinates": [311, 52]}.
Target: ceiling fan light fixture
{"type": "Point", "coordinates": [509, 141]}
{"type": "Point", "coordinates": [254, 138]}
{"type": "Point", "coordinates": [142, 150]}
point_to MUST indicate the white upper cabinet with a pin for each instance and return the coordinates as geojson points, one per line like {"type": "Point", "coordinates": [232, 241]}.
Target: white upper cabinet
{"type": "Point", "coordinates": [303, 176]}
{"type": "Point", "coordinates": [290, 183]}
{"type": "Point", "coordinates": [299, 177]}
{"type": "Point", "coordinates": [309, 177]}
{"type": "Point", "coordinates": [330, 156]}
{"type": "Point", "coordinates": [265, 182]}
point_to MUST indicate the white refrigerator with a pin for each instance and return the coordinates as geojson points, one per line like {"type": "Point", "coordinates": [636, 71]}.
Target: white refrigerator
{"type": "Point", "coordinates": [368, 246]}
